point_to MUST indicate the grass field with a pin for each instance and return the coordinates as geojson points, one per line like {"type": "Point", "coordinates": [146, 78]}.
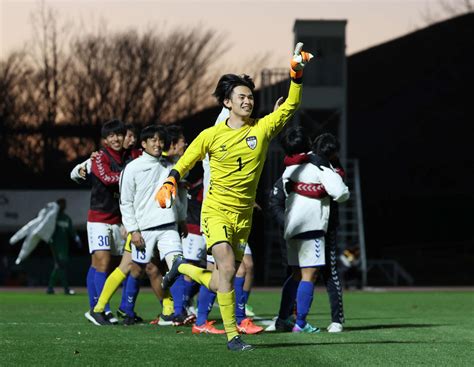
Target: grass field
{"type": "Point", "coordinates": [382, 329]}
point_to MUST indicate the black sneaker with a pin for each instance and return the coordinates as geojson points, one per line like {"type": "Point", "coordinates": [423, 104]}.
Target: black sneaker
{"type": "Point", "coordinates": [138, 319]}
{"type": "Point", "coordinates": [236, 344]}
{"type": "Point", "coordinates": [184, 319]}
{"type": "Point", "coordinates": [173, 273]}
{"type": "Point", "coordinates": [122, 315]}
{"type": "Point", "coordinates": [129, 320]}
{"type": "Point", "coordinates": [284, 325]}
{"type": "Point", "coordinates": [111, 318]}
{"type": "Point", "coordinates": [97, 318]}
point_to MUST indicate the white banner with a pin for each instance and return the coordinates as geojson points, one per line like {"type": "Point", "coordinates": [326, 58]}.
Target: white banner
{"type": "Point", "coordinates": [18, 207]}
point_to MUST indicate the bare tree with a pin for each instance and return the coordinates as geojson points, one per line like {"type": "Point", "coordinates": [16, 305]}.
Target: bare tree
{"type": "Point", "coordinates": [14, 75]}
{"type": "Point", "coordinates": [140, 78]}
{"type": "Point", "coordinates": [51, 63]}
{"type": "Point", "coordinates": [53, 98]}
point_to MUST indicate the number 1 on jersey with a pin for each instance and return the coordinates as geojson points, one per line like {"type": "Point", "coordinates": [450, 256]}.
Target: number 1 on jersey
{"type": "Point", "coordinates": [225, 231]}
{"type": "Point", "coordinates": [239, 161]}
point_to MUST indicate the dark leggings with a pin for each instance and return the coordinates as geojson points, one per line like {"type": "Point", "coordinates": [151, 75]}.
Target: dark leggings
{"type": "Point", "coordinates": [330, 277]}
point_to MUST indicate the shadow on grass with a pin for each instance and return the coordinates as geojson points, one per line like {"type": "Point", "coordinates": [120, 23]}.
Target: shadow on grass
{"type": "Point", "coordinates": [382, 318]}
{"type": "Point", "coordinates": [388, 326]}
{"type": "Point", "coordinates": [291, 345]}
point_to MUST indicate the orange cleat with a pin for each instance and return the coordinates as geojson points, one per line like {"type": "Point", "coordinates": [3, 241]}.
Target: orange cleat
{"type": "Point", "coordinates": [248, 327]}
{"type": "Point", "coordinates": [155, 321]}
{"type": "Point", "coordinates": [207, 328]}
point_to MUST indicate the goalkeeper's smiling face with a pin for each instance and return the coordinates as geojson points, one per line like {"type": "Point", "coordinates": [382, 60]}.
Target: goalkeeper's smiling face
{"type": "Point", "coordinates": [240, 102]}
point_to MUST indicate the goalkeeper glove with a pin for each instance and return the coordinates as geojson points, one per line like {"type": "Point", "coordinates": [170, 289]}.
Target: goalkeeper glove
{"type": "Point", "coordinates": [299, 60]}
{"type": "Point", "coordinates": [167, 193]}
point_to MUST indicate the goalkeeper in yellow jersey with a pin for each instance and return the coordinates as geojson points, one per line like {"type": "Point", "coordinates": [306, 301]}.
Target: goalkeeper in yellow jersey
{"type": "Point", "coordinates": [237, 151]}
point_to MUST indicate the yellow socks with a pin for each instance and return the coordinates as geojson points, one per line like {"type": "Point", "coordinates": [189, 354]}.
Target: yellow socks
{"type": "Point", "coordinates": [111, 284]}
{"type": "Point", "coordinates": [227, 306]}
{"type": "Point", "coordinates": [167, 304]}
{"type": "Point", "coordinates": [199, 275]}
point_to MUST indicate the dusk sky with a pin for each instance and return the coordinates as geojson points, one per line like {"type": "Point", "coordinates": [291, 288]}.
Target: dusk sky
{"type": "Point", "coordinates": [250, 26]}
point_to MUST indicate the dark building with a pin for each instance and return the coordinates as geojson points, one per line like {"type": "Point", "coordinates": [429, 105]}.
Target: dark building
{"type": "Point", "coordinates": [410, 122]}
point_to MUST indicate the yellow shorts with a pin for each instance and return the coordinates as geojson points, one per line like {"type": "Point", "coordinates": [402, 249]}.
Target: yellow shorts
{"type": "Point", "coordinates": [128, 246]}
{"type": "Point", "coordinates": [221, 225]}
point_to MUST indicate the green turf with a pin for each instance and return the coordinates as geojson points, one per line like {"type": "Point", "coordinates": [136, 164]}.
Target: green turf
{"type": "Point", "coordinates": [382, 329]}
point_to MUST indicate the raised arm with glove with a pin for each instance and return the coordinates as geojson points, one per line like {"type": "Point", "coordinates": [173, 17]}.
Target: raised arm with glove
{"type": "Point", "coordinates": [299, 60]}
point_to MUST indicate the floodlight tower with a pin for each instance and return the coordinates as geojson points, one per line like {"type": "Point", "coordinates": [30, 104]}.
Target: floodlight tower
{"type": "Point", "coordinates": [324, 104]}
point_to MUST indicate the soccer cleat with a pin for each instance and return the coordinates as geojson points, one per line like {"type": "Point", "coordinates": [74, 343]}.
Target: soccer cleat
{"type": "Point", "coordinates": [138, 319]}
{"type": "Point", "coordinates": [236, 344]}
{"type": "Point", "coordinates": [247, 326]}
{"type": "Point", "coordinates": [111, 318]}
{"type": "Point", "coordinates": [284, 325]}
{"type": "Point", "coordinates": [335, 327]}
{"type": "Point", "coordinates": [173, 273]}
{"type": "Point", "coordinates": [129, 320]}
{"type": "Point", "coordinates": [163, 320]}
{"type": "Point", "coordinates": [191, 309]}
{"type": "Point", "coordinates": [272, 327]}
{"type": "Point", "coordinates": [69, 292]}
{"type": "Point", "coordinates": [206, 328]}
{"type": "Point", "coordinates": [97, 318]}
{"type": "Point", "coordinates": [50, 291]}
{"type": "Point", "coordinates": [122, 315]}
{"type": "Point", "coordinates": [307, 329]}
{"type": "Point", "coordinates": [183, 319]}
{"type": "Point", "coordinates": [249, 311]}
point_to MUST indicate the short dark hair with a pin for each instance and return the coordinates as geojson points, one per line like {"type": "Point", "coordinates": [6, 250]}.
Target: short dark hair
{"type": "Point", "coordinates": [295, 140]}
{"type": "Point", "coordinates": [62, 203]}
{"type": "Point", "coordinates": [132, 128]}
{"type": "Point", "coordinates": [228, 82]}
{"type": "Point", "coordinates": [149, 132]}
{"type": "Point", "coordinates": [326, 145]}
{"type": "Point", "coordinates": [113, 127]}
{"type": "Point", "coordinates": [162, 132]}
{"type": "Point", "coordinates": [173, 134]}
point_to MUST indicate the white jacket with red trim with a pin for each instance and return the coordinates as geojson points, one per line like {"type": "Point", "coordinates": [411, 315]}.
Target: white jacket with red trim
{"type": "Point", "coordinates": [305, 214]}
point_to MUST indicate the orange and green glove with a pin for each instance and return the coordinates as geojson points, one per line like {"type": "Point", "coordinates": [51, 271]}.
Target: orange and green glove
{"type": "Point", "coordinates": [167, 193]}
{"type": "Point", "coordinates": [299, 60]}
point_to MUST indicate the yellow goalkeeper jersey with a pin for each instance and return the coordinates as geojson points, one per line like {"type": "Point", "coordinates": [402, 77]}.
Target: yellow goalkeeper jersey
{"type": "Point", "coordinates": [237, 156]}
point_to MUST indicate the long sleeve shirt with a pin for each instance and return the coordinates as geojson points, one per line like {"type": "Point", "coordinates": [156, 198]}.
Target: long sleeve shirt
{"type": "Point", "coordinates": [237, 156]}
{"type": "Point", "coordinates": [139, 183]}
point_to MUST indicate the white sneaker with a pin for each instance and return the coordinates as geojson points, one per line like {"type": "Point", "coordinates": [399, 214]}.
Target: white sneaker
{"type": "Point", "coordinates": [191, 310]}
{"type": "Point", "coordinates": [249, 311]}
{"type": "Point", "coordinates": [272, 327]}
{"type": "Point", "coordinates": [335, 327]}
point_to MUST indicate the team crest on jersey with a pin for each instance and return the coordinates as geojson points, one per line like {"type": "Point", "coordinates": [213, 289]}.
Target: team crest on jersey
{"type": "Point", "coordinates": [252, 142]}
